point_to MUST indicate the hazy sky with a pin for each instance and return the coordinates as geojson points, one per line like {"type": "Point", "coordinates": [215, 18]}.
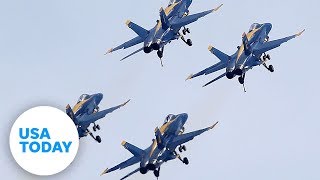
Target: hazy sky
{"type": "Point", "coordinates": [52, 51]}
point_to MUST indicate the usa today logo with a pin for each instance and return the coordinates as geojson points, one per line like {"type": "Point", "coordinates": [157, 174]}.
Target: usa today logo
{"type": "Point", "coordinates": [44, 140]}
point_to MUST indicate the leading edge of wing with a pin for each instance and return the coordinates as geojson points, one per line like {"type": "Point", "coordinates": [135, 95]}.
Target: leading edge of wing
{"type": "Point", "coordinates": [181, 139]}
{"type": "Point", "coordinates": [192, 18]}
{"type": "Point", "coordinates": [130, 43]}
{"type": "Point", "coordinates": [129, 162]}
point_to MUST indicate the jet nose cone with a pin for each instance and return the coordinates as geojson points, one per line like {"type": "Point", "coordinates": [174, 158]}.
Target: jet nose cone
{"type": "Point", "coordinates": [99, 97]}
{"type": "Point", "coordinates": [268, 26]}
{"type": "Point", "coordinates": [183, 117]}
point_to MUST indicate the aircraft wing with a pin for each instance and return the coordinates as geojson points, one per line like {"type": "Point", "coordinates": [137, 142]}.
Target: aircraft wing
{"type": "Point", "coordinates": [86, 120]}
{"type": "Point", "coordinates": [181, 139]}
{"type": "Point", "coordinates": [133, 160]}
{"type": "Point", "coordinates": [192, 18]}
{"type": "Point", "coordinates": [267, 46]}
{"type": "Point", "coordinates": [209, 70]}
{"type": "Point", "coordinates": [216, 67]}
{"type": "Point", "coordinates": [130, 43]}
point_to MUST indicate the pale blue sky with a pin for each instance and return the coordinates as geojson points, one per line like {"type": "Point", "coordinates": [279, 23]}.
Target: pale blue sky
{"type": "Point", "coordinates": [52, 51]}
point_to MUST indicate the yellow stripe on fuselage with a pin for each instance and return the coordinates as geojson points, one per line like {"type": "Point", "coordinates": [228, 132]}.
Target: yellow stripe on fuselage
{"type": "Point", "coordinates": [170, 8]}
{"type": "Point", "coordinates": [78, 105]}
{"type": "Point", "coordinates": [249, 36]}
{"type": "Point", "coordinates": [164, 127]}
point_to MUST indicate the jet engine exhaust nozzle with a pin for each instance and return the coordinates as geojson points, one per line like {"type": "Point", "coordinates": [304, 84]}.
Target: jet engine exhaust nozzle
{"type": "Point", "coordinates": [155, 46]}
{"type": "Point", "coordinates": [143, 170]}
{"type": "Point", "coordinates": [151, 167]}
{"type": "Point", "coordinates": [147, 49]}
{"type": "Point", "coordinates": [238, 72]}
{"type": "Point", "coordinates": [230, 75]}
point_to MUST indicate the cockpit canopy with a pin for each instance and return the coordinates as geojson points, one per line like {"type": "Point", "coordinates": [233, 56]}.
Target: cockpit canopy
{"type": "Point", "coordinates": [173, 1]}
{"type": "Point", "coordinates": [169, 118]}
{"type": "Point", "coordinates": [83, 97]}
{"type": "Point", "coordinates": [255, 26]}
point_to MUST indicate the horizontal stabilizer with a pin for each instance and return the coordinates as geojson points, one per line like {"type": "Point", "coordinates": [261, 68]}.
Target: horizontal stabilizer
{"type": "Point", "coordinates": [143, 33]}
{"type": "Point", "coordinates": [135, 52]}
{"type": "Point", "coordinates": [192, 18]}
{"type": "Point", "coordinates": [133, 172]}
{"type": "Point", "coordinates": [133, 149]}
{"type": "Point", "coordinates": [214, 80]}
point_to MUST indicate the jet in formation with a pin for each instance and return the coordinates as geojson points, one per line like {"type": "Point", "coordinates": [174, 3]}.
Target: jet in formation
{"type": "Point", "coordinates": [86, 111]}
{"type": "Point", "coordinates": [168, 138]}
{"type": "Point", "coordinates": [251, 53]}
{"type": "Point", "coordinates": [172, 19]}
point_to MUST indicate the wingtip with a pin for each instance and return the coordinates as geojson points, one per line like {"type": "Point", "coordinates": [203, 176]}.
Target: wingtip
{"type": "Point", "coordinates": [109, 51]}
{"type": "Point", "coordinates": [300, 33]}
{"type": "Point", "coordinates": [126, 102]}
{"type": "Point", "coordinates": [211, 127]}
{"type": "Point", "coordinates": [189, 77]}
{"type": "Point", "coordinates": [104, 172]}
{"type": "Point", "coordinates": [210, 47]}
{"type": "Point", "coordinates": [217, 8]}
{"type": "Point", "coordinates": [128, 22]}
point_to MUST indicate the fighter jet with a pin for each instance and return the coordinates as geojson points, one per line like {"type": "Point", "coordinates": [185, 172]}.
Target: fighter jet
{"type": "Point", "coordinates": [172, 19]}
{"type": "Point", "coordinates": [163, 148]}
{"type": "Point", "coordinates": [86, 111]}
{"type": "Point", "coordinates": [251, 53]}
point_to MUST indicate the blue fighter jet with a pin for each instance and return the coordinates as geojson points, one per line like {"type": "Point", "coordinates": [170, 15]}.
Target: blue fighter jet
{"type": "Point", "coordinates": [172, 19]}
{"type": "Point", "coordinates": [86, 111]}
{"type": "Point", "coordinates": [251, 53]}
{"type": "Point", "coordinates": [163, 148]}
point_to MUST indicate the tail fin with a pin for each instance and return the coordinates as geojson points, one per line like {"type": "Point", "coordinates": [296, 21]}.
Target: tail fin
{"type": "Point", "coordinates": [137, 29]}
{"type": "Point", "coordinates": [246, 44]}
{"type": "Point", "coordinates": [164, 19]}
{"type": "Point", "coordinates": [222, 56]}
{"type": "Point", "coordinates": [70, 112]}
{"type": "Point", "coordinates": [159, 138]}
{"type": "Point", "coordinates": [133, 149]}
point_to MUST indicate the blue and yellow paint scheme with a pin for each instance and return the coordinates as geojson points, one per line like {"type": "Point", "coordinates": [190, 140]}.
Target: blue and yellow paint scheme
{"type": "Point", "coordinates": [251, 53]}
{"type": "Point", "coordinates": [163, 148]}
{"type": "Point", "coordinates": [174, 17]}
{"type": "Point", "coordinates": [86, 111]}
